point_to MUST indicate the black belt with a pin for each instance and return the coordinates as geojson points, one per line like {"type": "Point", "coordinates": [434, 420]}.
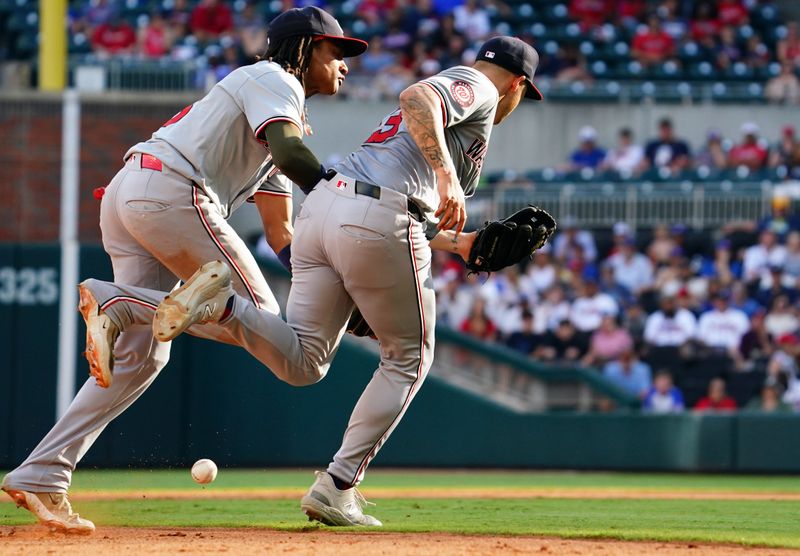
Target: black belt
{"type": "Point", "coordinates": [364, 188]}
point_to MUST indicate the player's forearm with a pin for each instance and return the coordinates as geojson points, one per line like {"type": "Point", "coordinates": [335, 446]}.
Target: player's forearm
{"type": "Point", "coordinates": [448, 241]}
{"type": "Point", "coordinates": [276, 214]}
{"type": "Point", "coordinates": [291, 155]}
{"type": "Point", "coordinates": [422, 114]}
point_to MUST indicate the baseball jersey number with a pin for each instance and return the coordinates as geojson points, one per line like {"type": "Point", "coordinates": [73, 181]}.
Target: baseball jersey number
{"type": "Point", "coordinates": [178, 117]}
{"type": "Point", "coordinates": [388, 128]}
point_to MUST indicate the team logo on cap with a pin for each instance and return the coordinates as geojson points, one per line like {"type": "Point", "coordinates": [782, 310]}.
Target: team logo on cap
{"type": "Point", "coordinates": [489, 54]}
{"type": "Point", "coordinates": [462, 93]}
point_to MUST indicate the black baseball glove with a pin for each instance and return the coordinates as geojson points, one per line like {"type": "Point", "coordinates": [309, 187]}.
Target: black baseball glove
{"type": "Point", "coordinates": [502, 243]}
{"type": "Point", "coordinates": [357, 325]}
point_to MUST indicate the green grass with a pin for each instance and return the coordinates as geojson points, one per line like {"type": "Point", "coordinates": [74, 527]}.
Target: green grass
{"type": "Point", "coordinates": [86, 481]}
{"type": "Point", "coordinates": [749, 522]}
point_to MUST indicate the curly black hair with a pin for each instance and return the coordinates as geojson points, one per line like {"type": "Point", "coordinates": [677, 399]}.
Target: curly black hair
{"type": "Point", "coordinates": [293, 54]}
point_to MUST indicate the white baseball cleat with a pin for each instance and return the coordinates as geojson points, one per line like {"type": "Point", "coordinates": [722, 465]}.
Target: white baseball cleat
{"type": "Point", "coordinates": [201, 299]}
{"type": "Point", "coordinates": [329, 505]}
{"type": "Point", "coordinates": [101, 335]}
{"type": "Point", "coordinates": [52, 509]}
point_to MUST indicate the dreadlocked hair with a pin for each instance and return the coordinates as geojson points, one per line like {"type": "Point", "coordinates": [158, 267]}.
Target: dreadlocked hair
{"type": "Point", "coordinates": [292, 54]}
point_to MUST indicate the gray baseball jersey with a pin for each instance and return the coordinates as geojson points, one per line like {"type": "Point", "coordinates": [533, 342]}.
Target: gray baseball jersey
{"type": "Point", "coordinates": [390, 157]}
{"type": "Point", "coordinates": [231, 166]}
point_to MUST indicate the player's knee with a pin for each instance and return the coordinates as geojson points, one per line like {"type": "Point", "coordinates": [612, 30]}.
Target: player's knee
{"type": "Point", "coordinates": [308, 375]}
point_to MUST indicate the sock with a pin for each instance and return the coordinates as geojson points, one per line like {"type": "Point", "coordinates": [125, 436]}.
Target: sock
{"type": "Point", "coordinates": [340, 484]}
{"type": "Point", "coordinates": [228, 309]}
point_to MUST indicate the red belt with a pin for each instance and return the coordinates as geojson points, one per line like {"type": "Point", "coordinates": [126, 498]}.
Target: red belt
{"type": "Point", "coordinates": [148, 161]}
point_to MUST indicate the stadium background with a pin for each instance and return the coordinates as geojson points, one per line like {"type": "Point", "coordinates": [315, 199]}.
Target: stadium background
{"type": "Point", "coordinates": [489, 373]}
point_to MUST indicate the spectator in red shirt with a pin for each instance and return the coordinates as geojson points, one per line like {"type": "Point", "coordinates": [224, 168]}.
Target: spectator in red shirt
{"type": "Point", "coordinates": [704, 23]}
{"type": "Point", "coordinates": [732, 12]}
{"type": "Point", "coordinates": [654, 45]}
{"type": "Point", "coordinates": [788, 49]}
{"type": "Point", "coordinates": [590, 13]}
{"type": "Point", "coordinates": [630, 12]}
{"type": "Point", "coordinates": [114, 37]}
{"type": "Point", "coordinates": [210, 19]}
{"type": "Point", "coordinates": [749, 152]}
{"type": "Point", "coordinates": [155, 39]}
{"type": "Point", "coordinates": [478, 324]}
{"type": "Point", "coordinates": [717, 399]}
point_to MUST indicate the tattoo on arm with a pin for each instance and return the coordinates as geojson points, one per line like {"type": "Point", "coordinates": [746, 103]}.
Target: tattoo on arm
{"type": "Point", "coordinates": [424, 122]}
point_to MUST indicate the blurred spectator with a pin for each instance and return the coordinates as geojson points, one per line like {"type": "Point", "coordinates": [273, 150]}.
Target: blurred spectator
{"type": "Point", "coordinates": [722, 327]}
{"type": "Point", "coordinates": [712, 154]}
{"type": "Point", "coordinates": [705, 24]}
{"type": "Point", "coordinates": [771, 286]}
{"type": "Point", "coordinates": [632, 270]}
{"type": "Point", "coordinates": [671, 21]}
{"type": "Point", "coordinates": [663, 397]}
{"type": "Point", "coordinates": [454, 301]}
{"type": "Point", "coordinates": [791, 264]}
{"type": "Point", "coordinates": [770, 399]}
{"type": "Point", "coordinates": [626, 157]}
{"type": "Point", "coordinates": [732, 12]}
{"type": "Point", "coordinates": [717, 398]}
{"type": "Point", "coordinates": [728, 51]}
{"type": "Point", "coordinates": [155, 39]}
{"type": "Point", "coordinates": [114, 37]}
{"type": "Point", "coordinates": [590, 306]}
{"type": "Point", "coordinates": [478, 324]}
{"type": "Point", "coordinates": [588, 154]}
{"type": "Point", "coordinates": [783, 368]}
{"type": "Point", "coordinates": [788, 48]}
{"type": "Point", "coordinates": [662, 246]}
{"type": "Point", "coordinates": [525, 339]}
{"type": "Point", "coordinates": [566, 241]}
{"type": "Point", "coordinates": [608, 342]}
{"type": "Point", "coordinates": [756, 343]}
{"type": "Point", "coordinates": [540, 275]}
{"type": "Point", "coordinates": [667, 151]}
{"type": "Point", "coordinates": [472, 20]}
{"type": "Point", "coordinates": [552, 310]}
{"type": "Point", "coordinates": [630, 374]}
{"type": "Point", "coordinates": [210, 19]}
{"type": "Point", "coordinates": [757, 54]}
{"type": "Point", "coordinates": [564, 344]}
{"type": "Point", "coordinates": [780, 221]}
{"type": "Point", "coordinates": [670, 326]}
{"type": "Point", "coordinates": [634, 318]}
{"type": "Point", "coordinates": [99, 12]}
{"type": "Point", "coordinates": [749, 152]}
{"type": "Point", "coordinates": [252, 30]}
{"type": "Point", "coordinates": [653, 45]}
{"type": "Point", "coordinates": [740, 299]}
{"type": "Point", "coordinates": [179, 18]}
{"type": "Point", "coordinates": [570, 66]}
{"type": "Point", "coordinates": [784, 88]}
{"type": "Point", "coordinates": [781, 319]}
{"type": "Point", "coordinates": [787, 152]}
{"type": "Point", "coordinates": [722, 266]}
{"type": "Point", "coordinates": [759, 257]}
{"type": "Point", "coordinates": [590, 13]}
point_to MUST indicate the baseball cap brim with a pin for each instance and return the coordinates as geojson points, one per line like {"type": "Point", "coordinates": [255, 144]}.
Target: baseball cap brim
{"type": "Point", "coordinates": [350, 46]}
{"type": "Point", "coordinates": [533, 92]}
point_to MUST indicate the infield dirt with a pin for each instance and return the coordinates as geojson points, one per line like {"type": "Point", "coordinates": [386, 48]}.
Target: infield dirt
{"type": "Point", "coordinates": [123, 541]}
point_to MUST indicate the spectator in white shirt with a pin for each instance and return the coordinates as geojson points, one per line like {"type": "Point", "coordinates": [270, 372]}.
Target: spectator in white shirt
{"type": "Point", "coordinates": [758, 258]}
{"type": "Point", "coordinates": [549, 313]}
{"type": "Point", "coordinates": [540, 275]}
{"type": "Point", "coordinates": [633, 271]}
{"type": "Point", "coordinates": [588, 309]}
{"type": "Point", "coordinates": [670, 326]}
{"type": "Point", "coordinates": [571, 236]}
{"type": "Point", "coordinates": [626, 157]}
{"type": "Point", "coordinates": [472, 20]}
{"type": "Point", "coordinates": [722, 327]}
{"type": "Point", "coordinates": [454, 301]}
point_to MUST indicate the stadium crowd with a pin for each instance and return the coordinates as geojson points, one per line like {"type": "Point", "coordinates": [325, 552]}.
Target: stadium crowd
{"type": "Point", "coordinates": [410, 39]}
{"type": "Point", "coordinates": [667, 314]}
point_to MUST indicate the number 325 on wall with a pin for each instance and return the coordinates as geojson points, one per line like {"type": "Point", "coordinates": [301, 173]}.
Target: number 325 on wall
{"type": "Point", "coordinates": [28, 286]}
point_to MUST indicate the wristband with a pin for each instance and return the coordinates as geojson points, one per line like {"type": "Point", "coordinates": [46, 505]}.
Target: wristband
{"type": "Point", "coordinates": [285, 257]}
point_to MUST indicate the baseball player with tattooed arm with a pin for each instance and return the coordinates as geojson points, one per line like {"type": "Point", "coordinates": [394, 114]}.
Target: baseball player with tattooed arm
{"type": "Point", "coordinates": [360, 241]}
{"type": "Point", "coordinates": [164, 214]}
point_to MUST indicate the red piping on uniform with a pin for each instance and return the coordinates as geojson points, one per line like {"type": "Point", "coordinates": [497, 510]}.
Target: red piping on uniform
{"type": "Point", "coordinates": [276, 119]}
{"type": "Point", "coordinates": [222, 248]}
{"type": "Point", "coordinates": [371, 454]}
{"type": "Point", "coordinates": [114, 300]}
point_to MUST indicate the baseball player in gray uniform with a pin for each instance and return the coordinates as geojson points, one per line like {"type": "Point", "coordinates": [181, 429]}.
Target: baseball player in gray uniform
{"type": "Point", "coordinates": [360, 240]}
{"type": "Point", "coordinates": [165, 213]}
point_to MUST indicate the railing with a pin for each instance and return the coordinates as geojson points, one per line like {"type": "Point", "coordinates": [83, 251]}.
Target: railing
{"type": "Point", "coordinates": [698, 205]}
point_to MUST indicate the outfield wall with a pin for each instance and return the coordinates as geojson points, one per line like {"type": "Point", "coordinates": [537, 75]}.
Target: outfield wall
{"type": "Point", "coordinates": [216, 401]}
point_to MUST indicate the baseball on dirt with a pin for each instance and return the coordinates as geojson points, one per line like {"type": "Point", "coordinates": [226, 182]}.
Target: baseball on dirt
{"type": "Point", "coordinates": [204, 471]}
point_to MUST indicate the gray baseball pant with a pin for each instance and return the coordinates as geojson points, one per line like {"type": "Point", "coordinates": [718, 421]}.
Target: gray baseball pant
{"type": "Point", "coordinates": [156, 227]}
{"type": "Point", "coordinates": [347, 249]}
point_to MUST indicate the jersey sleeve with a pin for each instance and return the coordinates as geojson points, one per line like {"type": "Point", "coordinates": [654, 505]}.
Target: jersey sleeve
{"type": "Point", "coordinates": [271, 97]}
{"type": "Point", "coordinates": [275, 184]}
{"type": "Point", "coordinates": [463, 95]}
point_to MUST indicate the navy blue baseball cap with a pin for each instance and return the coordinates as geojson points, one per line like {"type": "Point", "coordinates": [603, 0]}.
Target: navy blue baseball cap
{"type": "Point", "coordinates": [514, 55]}
{"type": "Point", "coordinates": [314, 22]}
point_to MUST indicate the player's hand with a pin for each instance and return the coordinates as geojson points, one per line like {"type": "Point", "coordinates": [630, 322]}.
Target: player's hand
{"type": "Point", "coordinates": [452, 212]}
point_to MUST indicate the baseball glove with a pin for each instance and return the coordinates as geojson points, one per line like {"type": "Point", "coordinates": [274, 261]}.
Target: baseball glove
{"type": "Point", "coordinates": [358, 326]}
{"type": "Point", "coordinates": [502, 243]}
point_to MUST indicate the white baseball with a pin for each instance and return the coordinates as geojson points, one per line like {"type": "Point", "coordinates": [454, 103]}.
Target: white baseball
{"type": "Point", "coordinates": [204, 471]}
